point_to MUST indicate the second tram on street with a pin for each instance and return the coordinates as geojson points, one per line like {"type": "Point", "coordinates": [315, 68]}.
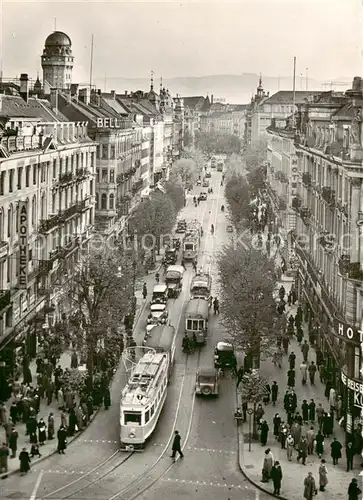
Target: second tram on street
{"type": "Point", "coordinates": [144, 395]}
{"type": "Point", "coordinates": [201, 286]}
{"type": "Point", "coordinates": [196, 320]}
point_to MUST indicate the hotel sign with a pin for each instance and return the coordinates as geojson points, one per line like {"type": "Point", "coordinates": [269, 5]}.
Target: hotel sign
{"type": "Point", "coordinates": [348, 332]}
{"type": "Point", "coordinates": [23, 245]}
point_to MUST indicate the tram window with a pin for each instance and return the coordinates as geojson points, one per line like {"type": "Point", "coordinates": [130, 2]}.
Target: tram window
{"type": "Point", "coordinates": [147, 416]}
{"type": "Point", "coordinates": [189, 246]}
{"type": "Point", "coordinates": [189, 324]}
{"type": "Point", "coordinates": [152, 409]}
{"type": "Point", "coordinates": [132, 417]}
{"type": "Point", "coordinates": [201, 324]}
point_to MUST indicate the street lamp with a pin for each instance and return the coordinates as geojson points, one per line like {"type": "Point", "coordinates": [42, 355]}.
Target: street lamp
{"type": "Point", "coordinates": [250, 411]}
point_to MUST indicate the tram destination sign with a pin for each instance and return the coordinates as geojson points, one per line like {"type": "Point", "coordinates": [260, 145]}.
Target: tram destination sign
{"type": "Point", "coordinates": [357, 389]}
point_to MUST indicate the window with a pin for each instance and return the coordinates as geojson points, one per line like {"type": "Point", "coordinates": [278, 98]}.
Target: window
{"type": "Point", "coordinates": [147, 416]}
{"type": "Point", "coordinates": [34, 174]}
{"type": "Point", "coordinates": [112, 176]}
{"type": "Point", "coordinates": [8, 273]}
{"type": "Point", "coordinates": [2, 183]}
{"type": "Point", "coordinates": [105, 151]}
{"type": "Point", "coordinates": [104, 175]}
{"type": "Point", "coordinates": [112, 201]}
{"type": "Point", "coordinates": [104, 202]}
{"type": "Point", "coordinates": [54, 172]}
{"type": "Point", "coordinates": [10, 220]}
{"type": "Point", "coordinates": [42, 178]}
{"type": "Point", "coordinates": [34, 210]}
{"type": "Point", "coordinates": [53, 203]}
{"type": "Point", "coordinates": [132, 417]}
{"type": "Point", "coordinates": [27, 176]}
{"type": "Point", "coordinates": [96, 201]}
{"type": "Point", "coordinates": [98, 175]}
{"type": "Point", "coordinates": [17, 219]}
{"type": "Point", "coordinates": [11, 181]}
{"type": "Point", "coordinates": [357, 363]}
{"type": "Point", "coordinates": [195, 324]}
{"type": "Point", "coordinates": [20, 171]}
{"type": "Point", "coordinates": [152, 410]}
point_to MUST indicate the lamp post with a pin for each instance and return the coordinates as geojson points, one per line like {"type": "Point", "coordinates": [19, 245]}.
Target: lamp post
{"type": "Point", "coordinates": [250, 414]}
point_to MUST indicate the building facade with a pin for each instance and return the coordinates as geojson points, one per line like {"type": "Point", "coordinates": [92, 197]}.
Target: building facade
{"type": "Point", "coordinates": [326, 194]}
{"type": "Point", "coordinates": [47, 189]}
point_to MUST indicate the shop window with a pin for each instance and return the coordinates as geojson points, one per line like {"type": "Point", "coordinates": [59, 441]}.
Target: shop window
{"type": "Point", "coordinates": [357, 363]}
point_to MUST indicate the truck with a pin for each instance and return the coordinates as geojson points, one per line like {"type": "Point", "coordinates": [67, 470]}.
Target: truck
{"type": "Point", "coordinates": [191, 242]}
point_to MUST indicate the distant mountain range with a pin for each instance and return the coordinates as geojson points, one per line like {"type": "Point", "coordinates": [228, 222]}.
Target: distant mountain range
{"type": "Point", "coordinates": [236, 89]}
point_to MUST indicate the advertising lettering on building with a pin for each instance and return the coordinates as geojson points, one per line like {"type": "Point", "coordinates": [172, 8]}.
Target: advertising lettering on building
{"type": "Point", "coordinates": [356, 387]}
{"type": "Point", "coordinates": [348, 332]}
{"type": "Point", "coordinates": [23, 245]}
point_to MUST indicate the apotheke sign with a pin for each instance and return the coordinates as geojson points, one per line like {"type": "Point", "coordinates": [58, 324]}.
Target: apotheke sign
{"type": "Point", "coordinates": [356, 387]}
{"type": "Point", "coordinates": [23, 246]}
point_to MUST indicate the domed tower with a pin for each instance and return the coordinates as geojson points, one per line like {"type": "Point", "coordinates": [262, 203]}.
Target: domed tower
{"type": "Point", "coordinates": [152, 95]}
{"type": "Point", "coordinates": [57, 62]}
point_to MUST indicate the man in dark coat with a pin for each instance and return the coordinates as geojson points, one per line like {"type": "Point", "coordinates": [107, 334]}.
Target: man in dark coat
{"type": "Point", "coordinates": [62, 440]}
{"type": "Point", "coordinates": [24, 461]}
{"type": "Point", "coordinates": [107, 398]}
{"type": "Point", "coordinates": [264, 432]}
{"type": "Point", "coordinates": [13, 442]}
{"type": "Point", "coordinates": [292, 359]}
{"type": "Point", "coordinates": [353, 490]}
{"type": "Point", "coordinates": [4, 454]}
{"type": "Point", "coordinates": [176, 446]}
{"type": "Point", "coordinates": [349, 453]}
{"type": "Point", "coordinates": [274, 392]}
{"type": "Point", "coordinates": [336, 451]}
{"type": "Point", "coordinates": [276, 475]}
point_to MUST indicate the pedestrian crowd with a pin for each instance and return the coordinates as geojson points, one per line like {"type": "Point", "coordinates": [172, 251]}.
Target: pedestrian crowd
{"type": "Point", "coordinates": [76, 409]}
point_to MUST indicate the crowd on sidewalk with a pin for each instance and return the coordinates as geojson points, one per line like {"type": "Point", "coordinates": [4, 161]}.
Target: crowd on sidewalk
{"type": "Point", "coordinates": [301, 418]}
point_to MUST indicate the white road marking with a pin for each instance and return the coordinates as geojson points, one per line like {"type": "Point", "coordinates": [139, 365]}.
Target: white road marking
{"type": "Point", "coordinates": [204, 483]}
{"type": "Point", "coordinates": [208, 450]}
{"type": "Point", "coordinates": [33, 495]}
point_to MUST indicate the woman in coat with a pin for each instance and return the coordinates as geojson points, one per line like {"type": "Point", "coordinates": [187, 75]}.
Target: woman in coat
{"type": "Point", "coordinates": [312, 411]}
{"type": "Point", "coordinates": [319, 444]}
{"type": "Point", "coordinates": [336, 451]}
{"type": "Point", "coordinates": [42, 432]}
{"type": "Point", "coordinates": [276, 476]}
{"type": "Point", "coordinates": [264, 432]}
{"type": "Point", "coordinates": [290, 443]}
{"type": "Point", "coordinates": [267, 466]}
{"type": "Point", "coordinates": [24, 460]}
{"type": "Point", "coordinates": [276, 422]}
{"type": "Point", "coordinates": [323, 476]}
{"type": "Point", "coordinates": [51, 426]}
{"type": "Point", "coordinates": [107, 398]}
{"type": "Point", "coordinates": [309, 487]}
{"type": "Point", "coordinates": [72, 423]}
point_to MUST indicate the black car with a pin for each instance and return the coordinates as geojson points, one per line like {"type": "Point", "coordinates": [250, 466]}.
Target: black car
{"type": "Point", "coordinates": [224, 356]}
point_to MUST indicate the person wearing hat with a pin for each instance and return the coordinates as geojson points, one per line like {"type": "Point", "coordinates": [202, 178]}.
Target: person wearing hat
{"type": "Point", "coordinates": [353, 490]}
{"type": "Point", "coordinates": [24, 462]}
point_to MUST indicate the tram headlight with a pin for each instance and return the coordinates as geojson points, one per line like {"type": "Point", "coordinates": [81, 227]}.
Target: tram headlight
{"type": "Point", "coordinates": [132, 434]}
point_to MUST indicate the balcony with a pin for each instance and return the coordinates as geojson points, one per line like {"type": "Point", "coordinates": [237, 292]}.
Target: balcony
{"type": "Point", "coordinates": [47, 225]}
{"type": "Point", "coordinates": [4, 299]}
{"type": "Point", "coordinates": [306, 179]}
{"type": "Point", "coordinates": [344, 264]}
{"type": "Point", "coordinates": [65, 178]}
{"type": "Point", "coordinates": [69, 212]}
{"type": "Point", "coordinates": [45, 266]}
{"type": "Point", "coordinates": [327, 242]}
{"type": "Point", "coordinates": [281, 176]}
{"type": "Point", "coordinates": [296, 203]}
{"type": "Point", "coordinates": [13, 143]}
{"type": "Point", "coordinates": [328, 196]}
{"type": "Point", "coordinates": [137, 186]}
{"type": "Point", "coordinates": [83, 205]}
{"type": "Point", "coordinates": [63, 252]}
{"type": "Point", "coordinates": [4, 249]}
{"type": "Point", "coordinates": [305, 215]}
{"type": "Point", "coordinates": [354, 271]}
{"type": "Point", "coordinates": [82, 174]}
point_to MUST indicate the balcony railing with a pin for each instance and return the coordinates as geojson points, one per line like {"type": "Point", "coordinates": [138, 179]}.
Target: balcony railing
{"type": "Point", "coordinates": [47, 224]}
{"type": "Point", "coordinates": [66, 178]}
{"type": "Point", "coordinates": [13, 144]}
{"type": "Point", "coordinates": [344, 264]}
{"type": "Point", "coordinates": [328, 195]}
{"type": "Point", "coordinates": [137, 186]}
{"type": "Point", "coordinates": [45, 266]}
{"type": "Point", "coordinates": [69, 212]}
{"type": "Point", "coordinates": [354, 271]}
{"type": "Point", "coordinates": [4, 299]}
{"type": "Point", "coordinates": [306, 179]}
{"type": "Point", "coordinates": [82, 173]}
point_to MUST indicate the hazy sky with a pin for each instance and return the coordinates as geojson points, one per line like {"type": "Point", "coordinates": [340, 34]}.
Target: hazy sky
{"type": "Point", "coordinates": [189, 38]}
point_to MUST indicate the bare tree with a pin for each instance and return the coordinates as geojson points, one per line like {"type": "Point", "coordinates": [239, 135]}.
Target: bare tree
{"type": "Point", "coordinates": [248, 309]}
{"type": "Point", "coordinates": [101, 293]}
{"type": "Point", "coordinates": [238, 198]}
{"type": "Point", "coordinates": [252, 390]}
{"type": "Point", "coordinates": [187, 171]}
{"type": "Point", "coordinates": [153, 218]}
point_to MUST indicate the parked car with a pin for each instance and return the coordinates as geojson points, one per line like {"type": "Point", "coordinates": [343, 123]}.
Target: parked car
{"type": "Point", "coordinates": [158, 314]}
{"type": "Point", "coordinates": [203, 196]}
{"type": "Point", "coordinates": [206, 383]}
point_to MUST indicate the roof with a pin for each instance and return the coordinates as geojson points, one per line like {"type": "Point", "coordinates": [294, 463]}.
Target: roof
{"type": "Point", "coordinates": [207, 371]}
{"type": "Point", "coordinates": [162, 338]}
{"type": "Point", "coordinates": [160, 288]}
{"type": "Point", "coordinates": [197, 306]}
{"type": "Point", "coordinates": [345, 112]}
{"type": "Point", "coordinates": [15, 107]}
{"type": "Point", "coordinates": [197, 103]}
{"type": "Point", "coordinates": [58, 38]}
{"type": "Point", "coordinates": [116, 105]}
{"type": "Point", "coordinates": [224, 346]}
{"type": "Point", "coordinates": [287, 97]}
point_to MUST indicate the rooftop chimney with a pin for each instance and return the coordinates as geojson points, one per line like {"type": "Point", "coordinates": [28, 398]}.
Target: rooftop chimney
{"type": "Point", "coordinates": [84, 96]}
{"type": "Point", "coordinates": [126, 93]}
{"type": "Point", "coordinates": [211, 99]}
{"type": "Point", "coordinates": [24, 86]}
{"type": "Point", "coordinates": [99, 92]}
{"type": "Point", "coordinates": [113, 94]}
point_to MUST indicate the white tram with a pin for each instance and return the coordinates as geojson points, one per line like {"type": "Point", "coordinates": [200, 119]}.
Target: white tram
{"type": "Point", "coordinates": [144, 396]}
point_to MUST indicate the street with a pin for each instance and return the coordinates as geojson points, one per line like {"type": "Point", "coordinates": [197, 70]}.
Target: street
{"type": "Point", "coordinates": [94, 468]}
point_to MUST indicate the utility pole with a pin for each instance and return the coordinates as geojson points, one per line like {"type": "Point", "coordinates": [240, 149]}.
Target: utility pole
{"type": "Point", "coordinates": [307, 79]}
{"type": "Point", "coordinates": [55, 23]}
{"type": "Point", "coordinates": [294, 91]}
{"type": "Point", "coordinates": [91, 67]}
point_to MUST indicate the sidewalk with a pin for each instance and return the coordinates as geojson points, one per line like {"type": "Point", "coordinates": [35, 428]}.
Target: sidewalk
{"type": "Point", "coordinates": [293, 472]}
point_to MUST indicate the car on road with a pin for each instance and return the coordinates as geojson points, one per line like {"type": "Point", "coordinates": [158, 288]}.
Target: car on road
{"type": "Point", "coordinates": [158, 314]}
{"type": "Point", "coordinates": [208, 175]}
{"type": "Point", "coordinates": [181, 226]}
{"type": "Point", "coordinates": [229, 229]}
{"type": "Point", "coordinates": [199, 182]}
{"type": "Point", "coordinates": [205, 183]}
{"type": "Point", "coordinates": [203, 196]}
{"type": "Point", "coordinates": [206, 383]}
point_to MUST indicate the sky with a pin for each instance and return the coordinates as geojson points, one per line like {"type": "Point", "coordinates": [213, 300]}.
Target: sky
{"type": "Point", "coordinates": [190, 38]}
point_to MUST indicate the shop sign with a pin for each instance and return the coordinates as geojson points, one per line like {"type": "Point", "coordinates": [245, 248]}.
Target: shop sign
{"type": "Point", "coordinates": [356, 387]}
{"type": "Point", "coordinates": [348, 332]}
{"type": "Point", "coordinates": [23, 246]}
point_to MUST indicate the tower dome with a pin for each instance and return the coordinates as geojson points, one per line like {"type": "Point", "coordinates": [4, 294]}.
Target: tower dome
{"type": "Point", "coordinates": [57, 62]}
{"type": "Point", "coordinates": [58, 38]}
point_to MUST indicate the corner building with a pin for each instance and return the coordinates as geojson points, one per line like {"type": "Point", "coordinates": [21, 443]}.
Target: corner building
{"type": "Point", "coordinates": [46, 175]}
{"type": "Point", "coordinates": [326, 194]}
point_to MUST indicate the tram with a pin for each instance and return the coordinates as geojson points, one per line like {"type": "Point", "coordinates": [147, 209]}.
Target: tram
{"type": "Point", "coordinates": [201, 286]}
{"type": "Point", "coordinates": [145, 393]}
